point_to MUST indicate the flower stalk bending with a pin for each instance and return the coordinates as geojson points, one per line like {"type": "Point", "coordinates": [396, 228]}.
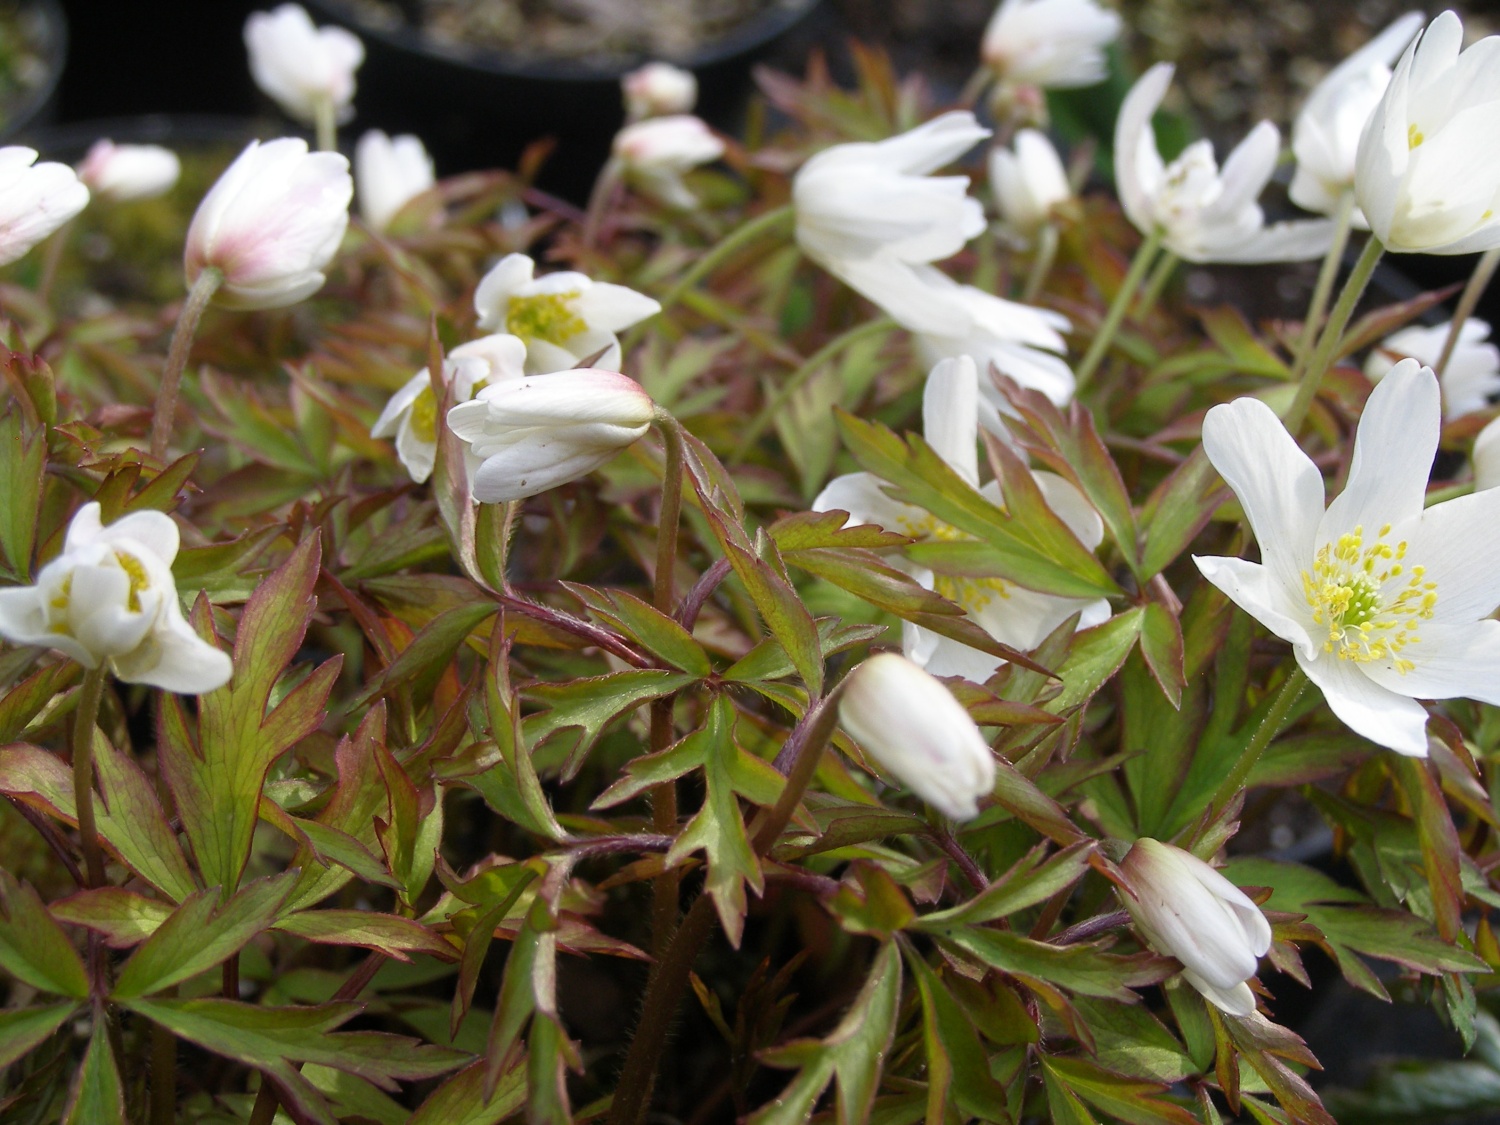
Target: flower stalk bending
{"type": "Point", "coordinates": [203, 290]}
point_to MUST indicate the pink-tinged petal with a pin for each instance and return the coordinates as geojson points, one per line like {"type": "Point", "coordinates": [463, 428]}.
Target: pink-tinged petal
{"type": "Point", "coordinates": [950, 416]}
{"type": "Point", "coordinates": [1393, 451]}
{"type": "Point", "coordinates": [1452, 661]}
{"type": "Point", "coordinates": [1280, 489]}
{"type": "Point", "coordinates": [1252, 587]}
{"type": "Point", "coordinates": [1138, 164]}
{"type": "Point", "coordinates": [863, 496]}
{"type": "Point", "coordinates": [1456, 542]}
{"type": "Point", "coordinates": [1385, 717]}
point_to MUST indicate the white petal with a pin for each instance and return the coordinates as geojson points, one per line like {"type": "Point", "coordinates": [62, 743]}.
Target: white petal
{"type": "Point", "coordinates": [614, 308]}
{"type": "Point", "coordinates": [1384, 717]}
{"type": "Point", "coordinates": [399, 404]}
{"type": "Point", "coordinates": [504, 280]}
{"type": "Point", "coordinates": [1237, 1001]}
{"type": "Point", "coordinates": [1457, 542]}
{"type": "Point", "coordinates": [175, 659]}
{"type": "Point", "coordinates": [950, 416]}
{"type": "Point", "coordinates": [1453, 661]}
{"type": "Point", "coordinates": [1251, 587]}
{"type": "Point", "coordinates": [152, 533]}
{"type": "Point", "coordinates": [1138, 164]}
{"type": "Point", "coordinates": [1072, 507]}
{"type": "Point", "coordinates": [864, 497]}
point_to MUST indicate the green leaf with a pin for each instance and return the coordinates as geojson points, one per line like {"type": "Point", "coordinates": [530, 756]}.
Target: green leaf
{"type": "Point", "coordinates": [124, 918]}
{"type": "Point", "coordinates": [1094, 657]}
{"type": "Point", "coordinates": [223, 570]}
{"type": "Point", "coordinates": [23, 459]}
{"type": "Point", "coordinates": [390, 934]}
{"type": "Point", "coordinates": [29, 698]}
{"type": "Point", "coordinates": [420, 663]}
{"type": "Point", "coordinates": [1128, 1039]}
{"type": "Point", "coordinates": [351, 1096]}
{"type": "Point", "coordinates": [1178, 509]}
{"type": "Point", "coordinates": [1122, 1098]}
{"type": "Point", "coordinates": [1077, 968]}
{"type": "Point", "coordinates": [1161, 646]}
{"type": "Point", "coordinates": [274, 1040]}
{"type": "Point", "coordinates": [21, 1029]}
{"type": "Point", "coordinates": [592, 703]}
{"type": "Point", "coordinates": [1030, 881]}
{"type": "Point", "coordinates": [854, 1053]}
{"type": "Point", "coordinates": [97, 1096]}
{"type": "Point", "coordinates": [958, 1067]}
{"type": "Point", "coordinates": [805, 531]}
{"type": "Point", "coordinates": [647, 626]}
{"type": "Point", "coordinates": [461, 1100]}
{"type": "Point", "coordinates": [33, 948]}
{"type": "Point", "coordinates": [200, 934]}
{"type": "Point", "coordinates": [781, 609]}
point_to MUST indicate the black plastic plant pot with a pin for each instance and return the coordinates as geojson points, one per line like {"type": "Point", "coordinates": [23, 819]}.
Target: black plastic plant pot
{"type": "Point", "coordinates": [481, 108]}
{"type": "Point", "coordinates": [179, 132]}
{"type": "Point", "coordinates": [34, 62]}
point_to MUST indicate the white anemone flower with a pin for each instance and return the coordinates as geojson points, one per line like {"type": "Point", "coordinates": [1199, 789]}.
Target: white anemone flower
{"type": "Point", "coordinates": [1013, 615]}
{"type": "Point", "coordinates": [124, 173]}
{"type": "Point", "coordinates": [563, 318]}
{"type": "Point", "coordinates": [301, 66]}
{"type": "Point", "coordinates": [910, 723]}
{"type": "Point", "coordinates": [871, 215]}
{"type": "Point", "coordinates": [35, 200]}
{"type": "Point", "coordinates": [657, 151]}
{"type": "Point", "coordinates": [1189, 911]}
{"type": "Point", "coordinates": [110, 598]}
{"type": "Point", "coordinates": [1051, 44]}
{"type": "Point", "coordinates": [1383, 602]}
{"type": "Point", "coordinates": [1427, 173]}
{"type": "Point", "coordinates": [411, 415]}
{"type": "Point", "coordinates": [657, 90]}
{"type": "Point", "coordinates": [1473, 371]}
{"type": "Point", "coordinates": [1203, 213]}
{"type": "Point", "coordinates": [1030, 184]}
{"type": "Point", "coordinates": [1325, 136]}
{"type": "Point", "coordinates": [389, 172]}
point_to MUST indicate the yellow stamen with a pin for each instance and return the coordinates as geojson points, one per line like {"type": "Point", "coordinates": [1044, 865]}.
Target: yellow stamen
{"type": "Point", "coordinates": [974, 594]}
{"type": "Point", "coordinates": [1414, 137]}
{"type": "Point", "coordinates": [1368, 600]}
{"type": "Point", "coordinates": [138, 579]}
{"type": "Point", "coordinates": [545, 316]}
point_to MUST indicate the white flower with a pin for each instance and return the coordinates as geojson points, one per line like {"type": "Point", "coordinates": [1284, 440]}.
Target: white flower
{"type": "Point", "coordinates": [1486, 457]}
{"type": "Point", "coordinates": [658, 89]}
{"type": "Point", "coordinates": [563, 318]}
{"type": "Point", "coordinates": [1325, 137]}
{"type": "Point", "coordinates": [1029, 184]}
{"type": "Point", "coordinates": [110, 598]}
{"type": "Point", "coordinates": [540, 431]}
{"type": "Point", "coordinates": [1473, 371]}
{"type": "Point", "coordinates": [656, 152]}
{"type": "Point", "coordinates": [300, 66]}
{"type": "Point", "coordinates": [271, 223]}
{"type": "Point", "coordinates": [1021, 342]}
{"type": "Point", "coordinates": [411, 414]}
{"type": "Point", "coordinates": [870, 215]}
{"type": "Point", "coordinates": [389, 172]}
{"type": "Point", "coordinates": [127, 172]}
{"type": "Point", "coordinates": [1384, 603]}
{"type": "Point", "coordinates": [1053, 44]}
{"type": "Point", "coordinates": [1204, 214]}
{"type": "Point", "coordinates": [911, 724]}
{"type": "Point", "coordinates": [1428, 170]}
{"type": "Point", "coordinates": [1012, 615]}
{"type": "Point", "coordinates": [1187, 910]}
{"type": "Point", "coordinates": [34, 201]}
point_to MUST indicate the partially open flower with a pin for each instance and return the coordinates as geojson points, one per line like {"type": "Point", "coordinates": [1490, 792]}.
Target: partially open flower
{"type": "Point", "coordinates": [564, 318]}
{"type": "Point", "coordinates": [389, 172]}
{"type": "Point", "coordinates": [1187, 910]}
{"type": "Point", "coordinates": [870, 214]}
{"type": "Point", "coordinates": [300, 66]}
{"type": "Point", "coordinates": [658, 89]}
{"type": "Point", "coordinates": [1030, 184]}
{"type": "Point", "coordinates": [1473, 371]}
{"type": "Point", "coordinates": [1051, 44]}
{"type": "Point", "coordinates": [411, 416]}
{"type": "Point", "coordinates": [110, 598]}
{"type": "Point", "coordinates": [540, 431]}
{"type": "Point", "coordinates": [911, 724]}
{"type": "Point", "coordinates": [35, 199]}
{"type": "Point", "coordinates": [656, 152]}
{"type": "Point", "coordinates": [271, 223]}
{"type": "Point", "coordinates": [1205, 214]}
{"type": "Point", "coordinates": [1428, 170]}
{"type": "Point", "coordinates": [126, 172]}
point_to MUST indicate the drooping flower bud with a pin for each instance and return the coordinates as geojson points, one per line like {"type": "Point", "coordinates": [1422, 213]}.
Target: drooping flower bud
{"type": "Point", "coordinates": [911, 724]}
{"type": "Point", "coordinates": [1187, 910]}
{"type": "Point", "coordinates": [128, 172]}
{"type": "Point", "coordinates": [1029, 183]}
{"type": "Point", "coordinates": [271, 223]}
{"type": "Point", "coordinates": [35, 199]}
{"type": "Point", "coordinates": [389, 172]}
{"type": "Point", "coordinates": [1051, 44]}
{"type": "Point", "coordinates": [300, 66]}
{"type": "Point", "coordinates": [538, 432]}
{"type": "Point", "coordinates": [656, 152]}
{"type": "Point", "coordinates": [110, 597]}
{"type": "Point", "coordinates": [658, 89]}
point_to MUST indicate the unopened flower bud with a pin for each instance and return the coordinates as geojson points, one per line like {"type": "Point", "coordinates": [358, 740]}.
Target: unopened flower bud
{"type": "Point", "coordinates": [35, 199]}
{"type": "Point", "coordinates": [127, 172]}
{"type": "Point", "coordinates": [656, 152]}
{"type": "Point", "coordinates": [911, 724]}
{"type": "Point", "coordinates": [659, 88]}
{"type": "Point", "coordinates": [300, 66]}
{"type": "Point", "coordinates": [389, 172]}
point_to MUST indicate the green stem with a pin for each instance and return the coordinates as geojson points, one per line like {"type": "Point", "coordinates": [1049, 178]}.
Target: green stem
{"type": "Point", "coordinates": [736, 240]}
{"type": "Point", "coordinates": [52, 260]}
{"type": "Point", "coordinates": [1479, 280]}
{"type": "Point", "coordinates": [325, 120]}
{"type": "Point", "coordinates": [85, 718]}
{"type": "Point", "coordinates": [599, 198]}
{"type": "Point", "coordinates": [1041, 263]}
{"type": "Point", "coordinates": [665, 888]}
{"type": "Point", "coordinates": [798, 378]}
{"type": "Point", "coordinates": [1166, 266]}
{"type": "Point", "coordinates": [1323, 289]}
{"type": "Point", "coordinates": [1269, 728]}
{"type": "Point", "coordinates": [1139, 266]}
{"type": "Point", "coordinates": [163, 1074]}
{"type": "Point", "coordinates": [1333, 333]}
{"type": "Point", "coordinates": [198, 297]}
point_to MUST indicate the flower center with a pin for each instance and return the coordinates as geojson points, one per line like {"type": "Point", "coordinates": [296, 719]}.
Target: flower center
{"type": "Point", "coordinates": [973, 594]}
{"type": "Point", "coordinates": [1414, 137]}
{"type": "Point", "coordinates": [423, 418]}
{"type": "Point", "coordinates": [1370, 602]}
{"type": "Point", "coordinates": [545, 316]}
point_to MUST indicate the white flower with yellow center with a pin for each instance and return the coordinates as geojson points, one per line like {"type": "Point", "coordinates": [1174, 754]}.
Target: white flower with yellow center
{"type": "Point", "coordinates": [1012, 615]}
{"type": "Point", "coordinates": [563, 318]}
{"type": "Point", "coordinates": [1383, 602]}
{"type": "Point", "coordinates": [411, 415]}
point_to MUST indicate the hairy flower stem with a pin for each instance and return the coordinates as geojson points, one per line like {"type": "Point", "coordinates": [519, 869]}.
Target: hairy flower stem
{"type": "Point", "coordinates": [1041, 263]}
{"type": "Point", "coordinates": [747, 233]}
{"type": "Point", "coordinates": [85, 717]}
{"type": "Point", "coordinates": [664, 796]}
{"type": "Point", "coordinates": [325, 121]}
{"type": "Point", "coordinates": [798, 379]}
{"type": "Point", "coordinates": [1161, 274]}
{"type": "Point", "coordinates": [1323, 289]}
{"type": "Point", "coordinates": [1140, 265]}
{"type": "Point", "coordinates": [198, 297]}
{"type": "Point", "coordinates": [163, 1075]}
{"type": "Point", "coordinates": [669, 976]}
{"type": "Point", "coordinates": [1333, 333]}
{"type": "Point", "coordinates": [1269, 728]}
{"type": "Point", "coordinates": [599, 200]}
{"type": "Point", "coordinates": [1479, 280]}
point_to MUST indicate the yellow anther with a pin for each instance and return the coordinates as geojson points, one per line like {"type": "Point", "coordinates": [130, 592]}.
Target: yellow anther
{"type": "Point", "coordinates": [1370, 609]}
{"type": "Point", "coordinates": [138, 578]}
{"type": "Point", "coordinates": [545, 316]}
{"type": "Point", "coordinates": [1414, 136]}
